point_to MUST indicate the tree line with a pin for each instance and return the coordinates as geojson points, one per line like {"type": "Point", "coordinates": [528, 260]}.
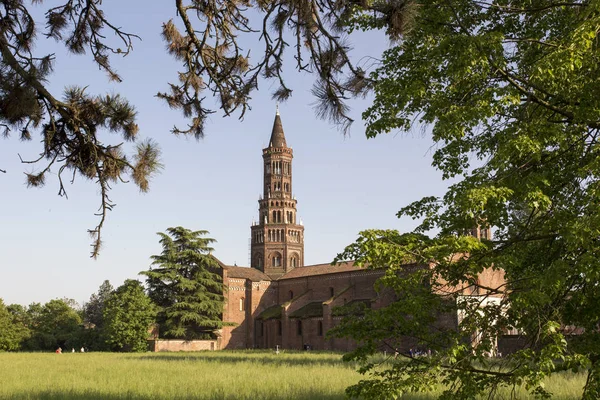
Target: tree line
{"type": "Point", "coordinates": [184, 296]}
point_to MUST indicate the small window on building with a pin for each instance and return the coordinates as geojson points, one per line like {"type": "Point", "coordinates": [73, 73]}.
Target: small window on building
{"type": "Point", "coordinates": [299, 328]}
{"type": "Point", "coordinates": [279, 328]}
{"type": "Point", "coordinates": [291, 294]}
{"type": "Point", "coordinates": [331, 292]}
{"type": "Point", "coordinates": [242, 304]}
{"type": "Point", "coordinates": [320, 328]}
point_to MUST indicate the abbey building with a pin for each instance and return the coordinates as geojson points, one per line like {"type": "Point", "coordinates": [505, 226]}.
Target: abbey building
{"type": "Point", "coordinates": [278, 300]}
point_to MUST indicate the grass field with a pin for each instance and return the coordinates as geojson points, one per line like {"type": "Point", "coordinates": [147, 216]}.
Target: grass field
{"type": "Point", "coordinates": [208, 375]}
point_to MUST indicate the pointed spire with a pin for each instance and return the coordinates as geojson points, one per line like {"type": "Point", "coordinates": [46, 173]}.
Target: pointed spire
{"type": "Point", "coordinates": [277, 136]}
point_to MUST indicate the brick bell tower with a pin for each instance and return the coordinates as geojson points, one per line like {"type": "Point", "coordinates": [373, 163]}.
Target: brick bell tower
{"type": "Point", "coordinates": [277, 242]}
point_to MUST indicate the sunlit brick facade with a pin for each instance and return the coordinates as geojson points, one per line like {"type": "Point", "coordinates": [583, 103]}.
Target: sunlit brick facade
{"type": "Point", "coordinates": [279, 301]}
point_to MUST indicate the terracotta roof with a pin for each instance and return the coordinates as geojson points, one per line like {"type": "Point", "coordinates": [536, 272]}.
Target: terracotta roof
{"type": "Point", "coordinates": [246, 273]}
{"type": "Point", "coordinates": [277, 136]}
{"type": "Point", "coordinates": [353, 307]}
{"type": "Point", "coordinates": [321, 269]}
{"type": "Point", "coordinates": [273, 312]}
{"type": "Point", "coordinates": [311, 310]}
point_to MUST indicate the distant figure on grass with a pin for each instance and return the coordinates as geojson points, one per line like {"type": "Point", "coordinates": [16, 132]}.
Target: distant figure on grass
{"type": "Point", "coordinates": [59, 351]}
{"type": "Point", "coordinates": [82, 350]}
{"type": "Point", "coordinates": [72, 349]}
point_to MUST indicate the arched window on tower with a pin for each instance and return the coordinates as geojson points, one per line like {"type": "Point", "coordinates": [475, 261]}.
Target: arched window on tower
{"type": "Point", "coordinates": [242, 304]}
{"type": "Point", "coordinates": [276, 261]}
{"type": "Point", "coordinates": [279, 216]}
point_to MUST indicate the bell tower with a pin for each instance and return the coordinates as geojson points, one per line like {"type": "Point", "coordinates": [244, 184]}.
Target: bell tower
{"type": "Point", "coordinates": [277, 241]}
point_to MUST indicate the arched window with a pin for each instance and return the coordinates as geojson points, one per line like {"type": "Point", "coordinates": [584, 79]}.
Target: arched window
{"type": "Point", "coordinates": [259, 262]}
{"type": "Point", "coordinates": [320, 328]}
{"type": "Point", "coordinates": [276, 260]}
{"type": "Point", "coordinates": [242, 304]}
{"type": "Point", "coordinates": [331, 292]}
{"type": "Point", "coordinates": [279, 328]}
{"type": "Point", "coordinates": [291, 294]}
{"type": "Point", "coordinates": [299, 328]}
{"type": "Point", "coordinates": [279, 216]}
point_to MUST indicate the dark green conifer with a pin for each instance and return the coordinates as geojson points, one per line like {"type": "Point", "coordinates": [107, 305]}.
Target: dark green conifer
{"type": "Point", "coordinates": [186, 283]}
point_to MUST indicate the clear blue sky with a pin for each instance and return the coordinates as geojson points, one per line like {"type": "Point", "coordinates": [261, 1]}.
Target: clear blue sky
{"type": "Point", "coordinates": [343, 184]}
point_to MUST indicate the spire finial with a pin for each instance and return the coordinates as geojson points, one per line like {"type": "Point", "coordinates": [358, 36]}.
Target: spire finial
{"type": "Point", "coordinates": [277, 108]}
{"type": "Point", "coordinates": [277, 135]}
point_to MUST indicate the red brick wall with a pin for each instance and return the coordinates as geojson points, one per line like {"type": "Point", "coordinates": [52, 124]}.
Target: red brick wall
{"type": "Point", "coordinates": [183, 345]}
{"type": "Point", "coordinates": [256, 297]}
{"type": "Point", "coordinates": [346, 286]}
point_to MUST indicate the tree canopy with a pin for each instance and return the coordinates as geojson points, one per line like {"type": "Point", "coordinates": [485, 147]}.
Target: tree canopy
{"type": "Point", "coordinates": [128, 315]}
{"type": "Point", "coordinates": [93, 310]}
{"type": "Point", "coordinates": [13, 331]}
{"type": "Point", "coordinates": [54, 324]}
{"type": "Point", "coordinates": [185, 281]}
{"type": "Point", "coordinates": [508, 90]}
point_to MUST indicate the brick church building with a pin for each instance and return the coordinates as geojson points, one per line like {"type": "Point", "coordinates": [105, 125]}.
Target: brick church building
{"type": "Point", "coordinates": [279, 300]}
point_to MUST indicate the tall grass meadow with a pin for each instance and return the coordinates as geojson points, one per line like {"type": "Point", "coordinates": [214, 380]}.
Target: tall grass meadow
{"type": "Point", "coordinates": [204, 375]}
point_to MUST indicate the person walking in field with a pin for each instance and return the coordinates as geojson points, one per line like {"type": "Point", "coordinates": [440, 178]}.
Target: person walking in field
{"type": "Point", "coordinates": [59, 351]}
